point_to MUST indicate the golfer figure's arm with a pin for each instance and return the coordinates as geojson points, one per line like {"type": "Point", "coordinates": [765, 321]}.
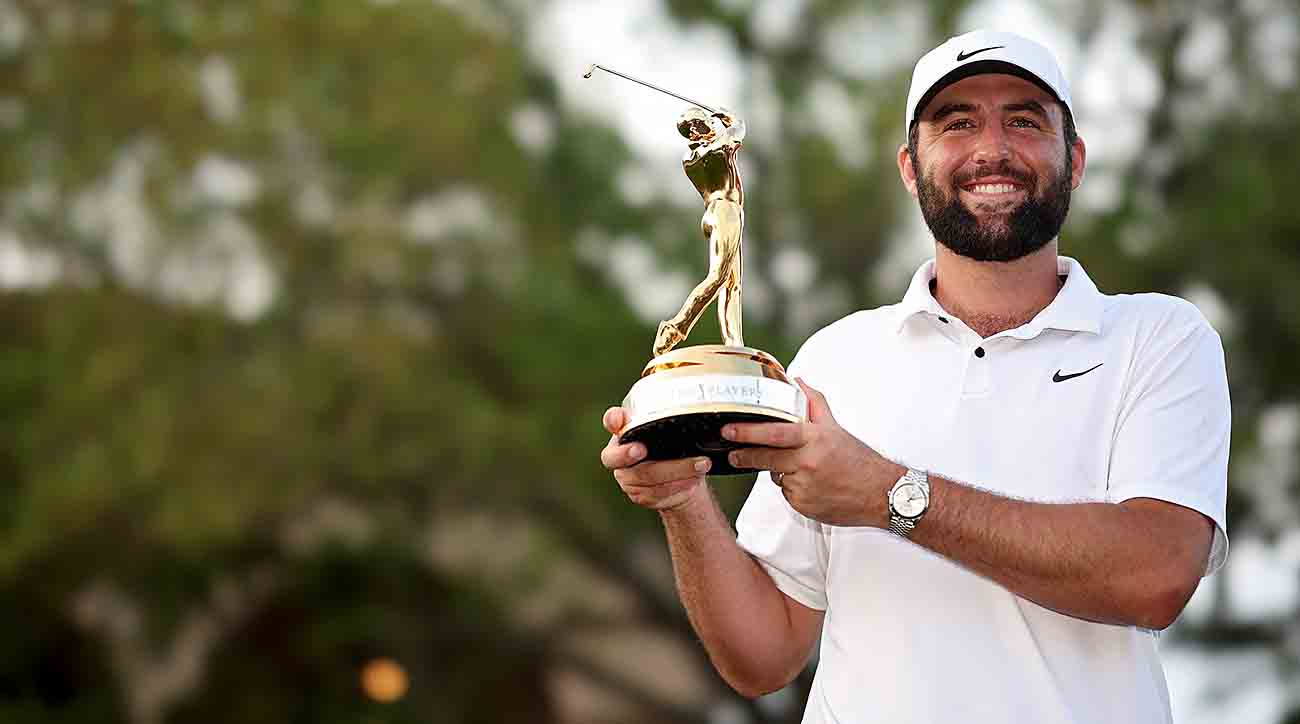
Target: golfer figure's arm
{"type": "Point", "coordinates": [757, 637]}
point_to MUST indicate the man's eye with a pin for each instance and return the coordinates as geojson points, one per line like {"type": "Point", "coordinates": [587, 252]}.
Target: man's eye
{"type": "Point", "coordinates": [960, 124]}
{"type": "Point", "coordinates": [1024, 123]}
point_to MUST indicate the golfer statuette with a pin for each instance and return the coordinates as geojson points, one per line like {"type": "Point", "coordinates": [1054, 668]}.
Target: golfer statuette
{"type": "Point", "coordinates": [684, 396]}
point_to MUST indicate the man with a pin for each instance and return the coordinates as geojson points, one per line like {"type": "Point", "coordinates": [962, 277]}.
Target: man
{"type": "Point", "coordinates": [1008, 482]}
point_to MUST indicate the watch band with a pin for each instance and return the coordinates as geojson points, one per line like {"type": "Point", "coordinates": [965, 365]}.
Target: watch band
{"type": "Point", "coordinates": [900, 526]}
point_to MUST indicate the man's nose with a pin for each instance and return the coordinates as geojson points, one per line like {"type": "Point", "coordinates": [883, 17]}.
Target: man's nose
{"type": "Point", "coordinates": [992, 145]}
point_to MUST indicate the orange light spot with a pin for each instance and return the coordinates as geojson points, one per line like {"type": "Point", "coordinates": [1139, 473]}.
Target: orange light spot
{"type": "Point", "coordinates": [384, 680]}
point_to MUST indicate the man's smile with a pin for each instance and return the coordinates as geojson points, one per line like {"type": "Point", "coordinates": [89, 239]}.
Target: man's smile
{"type": "Point", "coordinates": [993, 188]}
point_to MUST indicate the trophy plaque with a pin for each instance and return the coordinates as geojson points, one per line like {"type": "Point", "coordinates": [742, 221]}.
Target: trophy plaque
{"type": "Point", "coordinates": [684, 396]}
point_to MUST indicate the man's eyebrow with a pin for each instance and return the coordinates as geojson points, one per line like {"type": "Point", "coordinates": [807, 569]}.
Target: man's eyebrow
{"type": "Point", "coordinates": [1028, 105]}
{"type": "Point", "coordinates": [948, 109]}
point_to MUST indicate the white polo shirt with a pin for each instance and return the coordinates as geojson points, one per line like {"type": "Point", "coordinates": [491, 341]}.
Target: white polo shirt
{"type": "Point", "coordinates": [1098, 398]}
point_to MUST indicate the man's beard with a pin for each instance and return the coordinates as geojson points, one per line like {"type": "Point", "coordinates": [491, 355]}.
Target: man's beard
{"type": "Point", "coordinates": [1028, 228]}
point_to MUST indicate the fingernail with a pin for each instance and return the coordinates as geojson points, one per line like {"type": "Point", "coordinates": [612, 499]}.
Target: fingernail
{"type": "Point", "coordinates": [733, 458]}
{"type": "Point", "coordinates": [637, 452]}
{"type": "Point", "coordinates": [728, 432]}
{"type": "Point", "coordinates": [702, 465]}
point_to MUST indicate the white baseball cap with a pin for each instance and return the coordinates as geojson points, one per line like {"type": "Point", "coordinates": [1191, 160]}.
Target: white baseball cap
{"type": "Point", "coordinates": [984, 51]}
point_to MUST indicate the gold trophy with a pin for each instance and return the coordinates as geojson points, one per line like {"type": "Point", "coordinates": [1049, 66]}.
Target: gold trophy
{"type": "Point", "coordinates": [684, 397]}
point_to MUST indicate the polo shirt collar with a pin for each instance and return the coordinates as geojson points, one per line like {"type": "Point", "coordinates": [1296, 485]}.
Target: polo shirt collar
{"type": "Point", "coordinates": [1077, 307]}
{"type": "Point", "coordinates": [918, 299]}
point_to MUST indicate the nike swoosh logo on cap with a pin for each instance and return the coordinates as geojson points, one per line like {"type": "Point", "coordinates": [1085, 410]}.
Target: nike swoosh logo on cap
{"type": "Point", "coordinates": [963, 56]}
{"type": "Point", "coordinates": [1058, 377]}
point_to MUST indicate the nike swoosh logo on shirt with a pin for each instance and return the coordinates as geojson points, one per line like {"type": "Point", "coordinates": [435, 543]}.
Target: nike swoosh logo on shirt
{"type": "Point", "coordinates": [1058, 377]}
{"type": "Point", "coordinates": [963, 56]}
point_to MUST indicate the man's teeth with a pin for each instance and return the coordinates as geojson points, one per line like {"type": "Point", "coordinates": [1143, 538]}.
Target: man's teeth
{"type": "Point", "coordinates": [993, 188]}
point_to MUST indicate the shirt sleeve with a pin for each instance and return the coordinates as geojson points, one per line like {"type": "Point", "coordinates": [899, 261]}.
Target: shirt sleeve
{"type": "Point", "coordinates": [1171, 442]}
{"type": "Point", "coordinates": [790, 547]}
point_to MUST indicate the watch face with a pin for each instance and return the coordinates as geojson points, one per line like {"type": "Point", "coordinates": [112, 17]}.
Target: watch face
{"type": "Point", "coordinates": [908, 500]}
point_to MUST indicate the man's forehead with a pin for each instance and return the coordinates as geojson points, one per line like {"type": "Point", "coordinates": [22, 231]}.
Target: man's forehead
{"type": "Point", "coordinates": [991, 89]}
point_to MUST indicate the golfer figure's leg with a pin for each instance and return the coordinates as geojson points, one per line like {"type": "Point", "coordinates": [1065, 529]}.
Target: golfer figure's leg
{"type": "Point", "coordinates": [674, 330]}
{"type": "Point", "coordinates": [729, 305]}
{"type": "Point", "coordinates": [721, 224]}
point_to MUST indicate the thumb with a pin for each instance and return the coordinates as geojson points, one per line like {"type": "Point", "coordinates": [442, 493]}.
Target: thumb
{"type": "Point", "coordinates": [819, 410]}
{"type": "Point", "coordinates": [614, 419]}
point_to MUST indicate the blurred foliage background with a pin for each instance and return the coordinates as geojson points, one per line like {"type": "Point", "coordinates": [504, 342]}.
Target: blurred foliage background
{"type": "Point", "coordinates": [309, 310]}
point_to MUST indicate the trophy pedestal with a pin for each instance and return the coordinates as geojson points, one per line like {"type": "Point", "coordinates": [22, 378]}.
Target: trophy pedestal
{"type": "Point", "coordinates": [685, 396]}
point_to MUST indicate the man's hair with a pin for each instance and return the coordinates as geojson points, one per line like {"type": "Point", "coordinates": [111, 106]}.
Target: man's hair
{"type": "Point", "coordinates": [1071, 135]}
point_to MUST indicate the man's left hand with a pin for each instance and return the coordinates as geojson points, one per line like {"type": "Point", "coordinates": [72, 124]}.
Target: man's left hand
{"type": "Point", "coordinates": [825, 473]}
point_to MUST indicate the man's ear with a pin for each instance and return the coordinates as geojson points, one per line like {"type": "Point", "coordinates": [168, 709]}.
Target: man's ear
{"type": "Point", "coordinates": [906, 170]}
{"type": "Point", "coordinates": [1079, 159]}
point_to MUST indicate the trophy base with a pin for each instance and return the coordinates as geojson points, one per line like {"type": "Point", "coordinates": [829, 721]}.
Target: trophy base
{"type": "Point", "coordinates": [684, 397]}
{"type": "Point", "coordinates": [693, 434]}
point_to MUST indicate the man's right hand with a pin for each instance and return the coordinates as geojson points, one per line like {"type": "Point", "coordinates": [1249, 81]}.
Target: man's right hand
{"type": "Point", "coordinates": [659, 484]}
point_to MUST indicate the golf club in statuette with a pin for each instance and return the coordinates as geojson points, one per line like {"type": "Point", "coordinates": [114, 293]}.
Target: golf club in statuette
{"type": "Point", "coordinates": [684, 396]}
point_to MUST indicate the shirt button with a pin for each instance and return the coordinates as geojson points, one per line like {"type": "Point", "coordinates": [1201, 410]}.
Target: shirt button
{"type": "Point", "coordinates": [979, 351]}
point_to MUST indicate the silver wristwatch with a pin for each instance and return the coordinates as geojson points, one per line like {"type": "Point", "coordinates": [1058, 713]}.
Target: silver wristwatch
{"type": "Point", "coordinates": [908, 501]}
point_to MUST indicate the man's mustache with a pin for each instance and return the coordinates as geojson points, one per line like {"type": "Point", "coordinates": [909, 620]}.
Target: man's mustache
{"type": "Point", "coordinates": [1003, 169]}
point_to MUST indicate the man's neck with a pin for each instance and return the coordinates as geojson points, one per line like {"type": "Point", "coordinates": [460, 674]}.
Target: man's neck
{"type": "Point", "coordinates": [992, 297]}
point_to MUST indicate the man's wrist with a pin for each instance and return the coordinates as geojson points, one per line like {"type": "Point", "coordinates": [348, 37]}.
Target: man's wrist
{"type": "Point", "coordinates": [698, 495]}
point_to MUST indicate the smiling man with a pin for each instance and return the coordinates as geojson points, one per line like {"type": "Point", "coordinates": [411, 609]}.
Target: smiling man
{"type": "Point", "coordinates": [1008, 481]}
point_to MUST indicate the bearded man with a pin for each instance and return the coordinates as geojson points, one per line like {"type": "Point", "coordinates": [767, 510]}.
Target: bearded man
{"type": "Point", "coordinates": [1023, 479]}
